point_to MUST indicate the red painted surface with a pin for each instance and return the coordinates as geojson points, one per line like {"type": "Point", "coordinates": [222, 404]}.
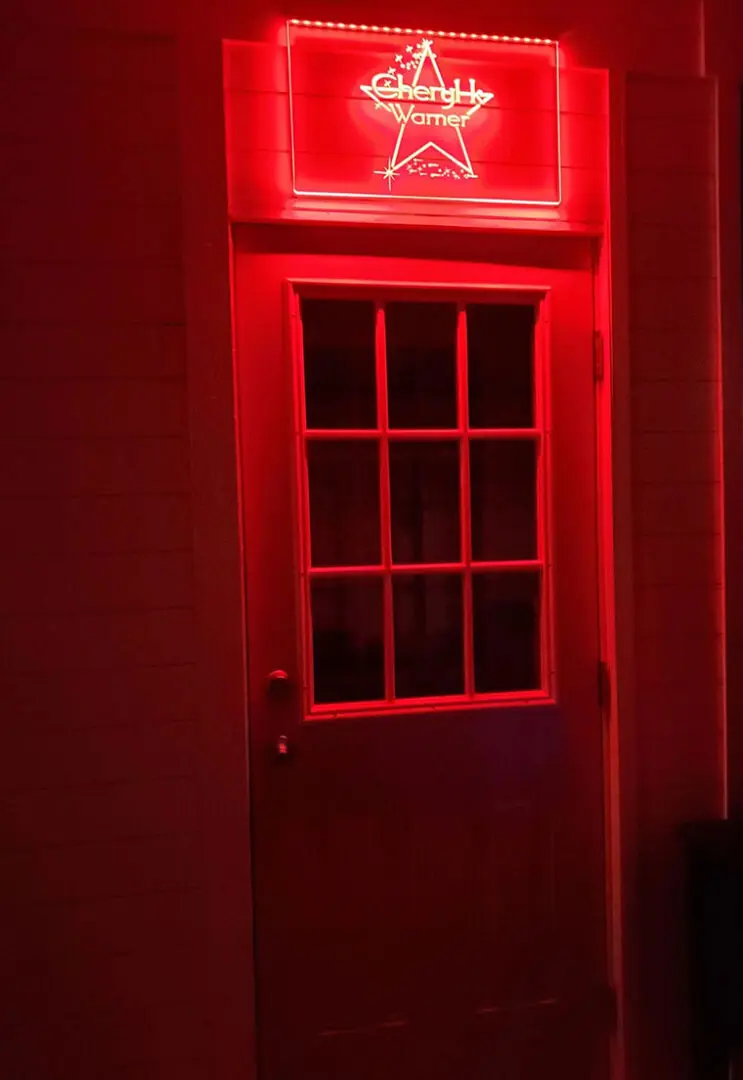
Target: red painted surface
{"type": "Point", "coordinates": [674, 371]}
{"type": "Point", "coordinates": [351, 1012]}
{"type": "Point", "coordinates": [126, 927]}
{"type": "Point", "coordinates": [319, 144]}
{"type": "Point", "coordinates": [419, 115]}
{"type": "Point", "coordinates": [389, 924]}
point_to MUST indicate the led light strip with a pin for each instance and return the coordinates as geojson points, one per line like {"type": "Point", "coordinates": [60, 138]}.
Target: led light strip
{"type": "Point", "coordinates": [315, 24]}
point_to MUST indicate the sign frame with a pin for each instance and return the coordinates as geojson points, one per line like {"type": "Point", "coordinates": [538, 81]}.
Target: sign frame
{"type": "Point", "coordinates": [503, 201]}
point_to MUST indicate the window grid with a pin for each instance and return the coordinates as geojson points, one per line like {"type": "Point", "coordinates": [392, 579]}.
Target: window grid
{"type": "Point", "coordinates": [466, 567]}
{"type": "Point", "coordinates": [385, 509]}
{"type": "Point", "coordinates": [465, 500]}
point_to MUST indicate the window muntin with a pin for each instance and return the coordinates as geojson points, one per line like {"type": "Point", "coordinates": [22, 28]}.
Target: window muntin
{"type": "Point", "coordinates": [423, 501]}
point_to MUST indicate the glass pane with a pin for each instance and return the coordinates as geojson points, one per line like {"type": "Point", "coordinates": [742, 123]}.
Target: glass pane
{"type": "Point", "coordinates": [506, 628]}
{"type": "Point", "coordinates": [347, 640]}
{"type": "Point", "coordinates": [500, 357]}
{"type": "Point", "coordinates": [344, 502]}
{"type": "Point", "coordinates": [339, 370]}
{"type": "Point", "coordinates": [503, 482]}
{"type": "Point", "coordinates": [424, 488]}
{"type": "Point", "coordinates": [421, 365]}
{"type": "Point", "coordinates": [429, 655]}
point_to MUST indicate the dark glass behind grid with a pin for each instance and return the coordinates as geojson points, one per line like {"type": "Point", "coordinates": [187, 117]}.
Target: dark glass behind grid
{"type": "Point", "coordinates": [339, 369]}
{"type": "Point", "coordinates": [500, 365]}
{"type": "Point", "coordinates": [425, 499]}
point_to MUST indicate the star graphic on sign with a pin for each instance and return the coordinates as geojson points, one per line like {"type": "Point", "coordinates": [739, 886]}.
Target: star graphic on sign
{"type": "Point", "coordinates": [389, 172]}
{"type": "Point", "coordinates": [410, 149]}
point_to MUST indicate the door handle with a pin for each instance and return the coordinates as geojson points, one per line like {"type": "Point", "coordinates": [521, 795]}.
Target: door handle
{"type": "Point", "coordinates": [279, 682]}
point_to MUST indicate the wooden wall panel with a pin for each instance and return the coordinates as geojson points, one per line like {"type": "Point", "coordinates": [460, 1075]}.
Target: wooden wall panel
{"type": "Point", "coordinates": [76, 112]}
{"type": "Point", "coordinates": [677, 524]}
{"type": "Point", "coordinates": [95, 524]}
{"type": "Point", "coordinates": [100, 820]}
{"type": "Point", "coordinates": [130, 581]}
{"type": "Point", "coordinates": [47, 466]}
{"type": "Point", "coordinates": [99, 291]}
{"type": "Point", "coordinates": [60, 700]}
{"type": "Point", "coordinates": [90, 214]}
{"type": "Point", "coordinates": [104, 812]}
{"type": "Point", "coordinates": [113, 174]}
{"type": "Point", "coordinates": [90, 231]}
{"type": "Point", "coordinates": [662, 36]}
{"type": "Point", "coordinates": [107, 640]}
{"type": "Point", "coordinates": [88, 349]}
{"type": "Point", "coordinates": [93, 408]}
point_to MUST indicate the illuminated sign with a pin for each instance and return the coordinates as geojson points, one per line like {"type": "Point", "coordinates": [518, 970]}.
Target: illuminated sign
{"type": "Point", "coordinates": [380, 113]}
{"type": "Point", "coordinates": [415, 103]}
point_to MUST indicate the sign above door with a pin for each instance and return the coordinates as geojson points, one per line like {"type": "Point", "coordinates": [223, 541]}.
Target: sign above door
{"type": "Point", "coordinates": [394, 113]}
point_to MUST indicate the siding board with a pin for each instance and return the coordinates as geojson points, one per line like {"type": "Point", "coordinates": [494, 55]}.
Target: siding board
{"type": "Point", "coordinates": [91, 171]}
{"type": "Point", "coordinates": [89, 231]}
{"type": "Point", "coordinates": [677, 527]}
{"type": "Point", "coordinates": [87, 349]}
{"type": "Point", "coordinates": [101, 807]}
{"type": "Point", "coordinates": [61, 700]}
{"type": "Point", "coordinates": [98, 814]}
{"type": "Point", "coordinates": [111, 466]}
{"type": "Point", "coordinates": [95, 408]}
{"type": "Point", "coordinates": [76, 871]}
{"type": "Point", "coordinates": [79, 113]}
{"type": "Point", "coordinates": [109, 58]}
{"type": "Point", "coordinates": [89, 583]}
{"type": "Point", "coordinates": [101, 641]}
{"type": "Point", "coordinates": [118, 755]}
{"type": "Point", "coordinates": [95, 524]}
{"type": "Point", "coordinates": [73, 292]}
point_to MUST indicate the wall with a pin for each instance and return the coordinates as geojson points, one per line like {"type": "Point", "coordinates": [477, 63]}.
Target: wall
{"type": "Point", "coordinates": [122, 758]}
{"type": "Point", "coordinates": [674, 378]}
{"type": "Point", "coordinates": [100, 828]}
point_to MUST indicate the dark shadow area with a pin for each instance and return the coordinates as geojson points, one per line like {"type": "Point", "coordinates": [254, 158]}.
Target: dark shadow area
{"type": "Point", "coordinates": [714, 904]}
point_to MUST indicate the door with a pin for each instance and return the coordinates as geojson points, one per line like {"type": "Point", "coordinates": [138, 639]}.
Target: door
{"type": "Point", "coordinates": [426, 746]}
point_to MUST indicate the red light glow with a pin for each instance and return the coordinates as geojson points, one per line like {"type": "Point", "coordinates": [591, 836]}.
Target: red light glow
{"type": "Point", "coordinates": [427, 33]}
{"type": "Point", "coordinates": [441, 116]}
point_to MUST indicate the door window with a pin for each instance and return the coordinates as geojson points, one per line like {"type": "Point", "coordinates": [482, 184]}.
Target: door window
{"type": "Point", "coordinates": [422, 449]}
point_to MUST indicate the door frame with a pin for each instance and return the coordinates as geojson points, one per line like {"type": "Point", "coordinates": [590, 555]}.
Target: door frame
{"type": "Point", "coordinates": [458, 270]}
{"type": "Point", "coordinates": [208, 261]}
{"type": "Point", "coordinates": [267, 264]}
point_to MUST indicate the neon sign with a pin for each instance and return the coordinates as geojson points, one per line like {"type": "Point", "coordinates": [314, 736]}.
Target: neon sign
{"type": "Point", "coordinates": [392, 113]}
{"type": "Point", "coordinates": [431, 105]}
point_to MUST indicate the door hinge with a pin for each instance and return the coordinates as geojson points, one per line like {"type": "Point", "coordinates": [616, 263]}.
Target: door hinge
{"type": "Point", "coordinates": [604, 687]}
{"type": "Point", "coordinates": [598, 356]}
